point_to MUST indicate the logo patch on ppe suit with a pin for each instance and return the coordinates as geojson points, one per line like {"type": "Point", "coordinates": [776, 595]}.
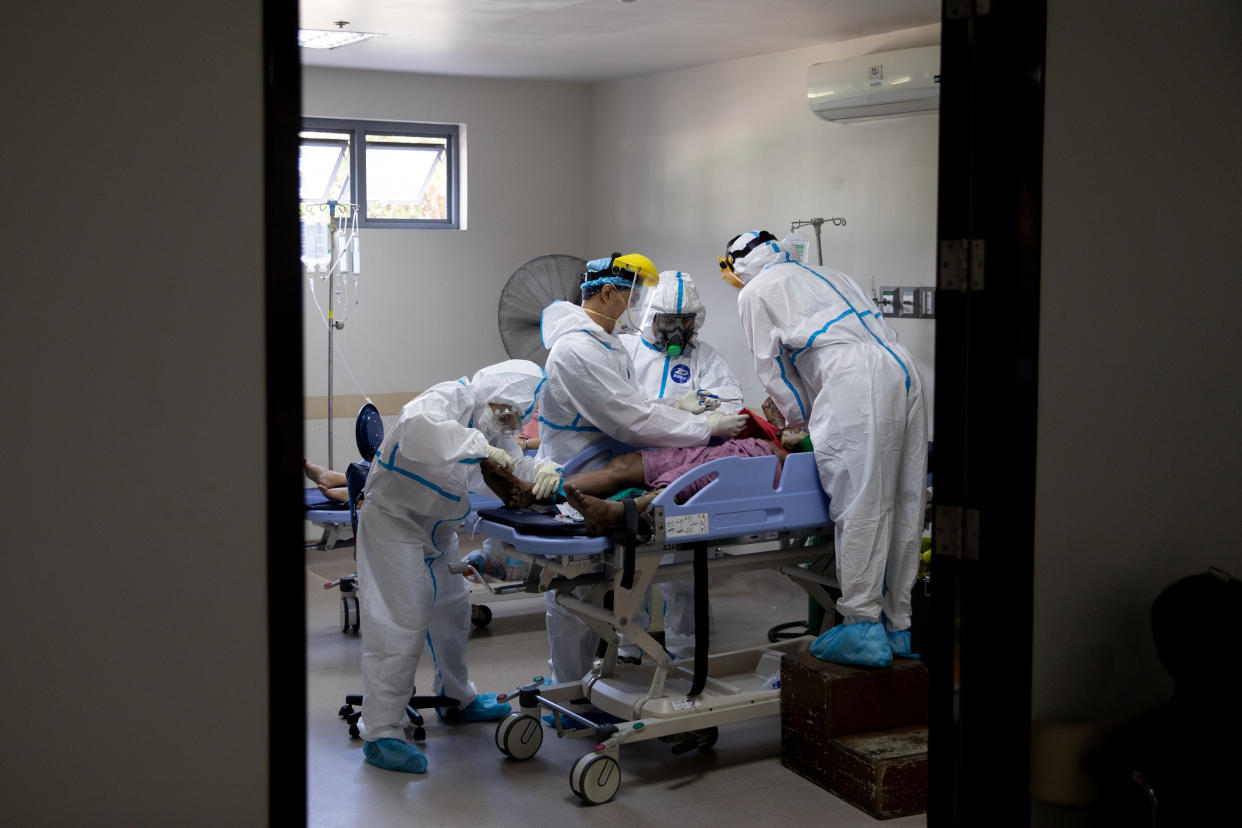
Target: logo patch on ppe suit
{"type": "Point", "coordinates": [680, 373]}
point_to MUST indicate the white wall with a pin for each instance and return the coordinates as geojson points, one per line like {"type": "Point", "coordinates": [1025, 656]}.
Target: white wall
{"type": "Point", "coordinates": [135, 658]}
{"type": "Point", "coordinates": [428, 298]}
{"type": "Point", "coordinates": [1139, 442]}
{"type": "Point", "coordinates": [682, 161]}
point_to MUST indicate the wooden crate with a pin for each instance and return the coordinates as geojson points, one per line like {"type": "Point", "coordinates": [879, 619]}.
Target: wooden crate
{"type": "Point", "coordinates": [858, 732]}
{"type": "Point", "coordinates": [883, 773]}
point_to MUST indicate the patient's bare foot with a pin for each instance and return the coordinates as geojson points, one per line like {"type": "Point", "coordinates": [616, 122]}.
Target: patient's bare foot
{"type": "Point", "coordinates": [791, 438]}
{"type": "Point", "coordinates": [599, 515]}
{"type": "Point", "coordinates": [324, 477]}
{"type": "Point", "coordinates": [773, 413]}
{"type": "Point", "coordinates": [340, 493]}
{"type": "Point", "coordinates": [513, 490]}
{"type": "Point", "coordinates": [313, 472]}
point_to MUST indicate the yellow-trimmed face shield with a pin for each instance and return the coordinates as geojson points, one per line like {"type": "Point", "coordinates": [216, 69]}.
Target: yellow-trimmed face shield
{"type": "Point", "coordinates": [637, 267]}
{"type": "Point", "coordinates": [726, 272]}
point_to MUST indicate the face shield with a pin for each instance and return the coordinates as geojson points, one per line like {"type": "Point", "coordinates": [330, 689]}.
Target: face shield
{"type": "Point", "coordinates": [507, 394]}
{"type": "Point", "coordinates": [732, 269]}
{"type": "Point", "coordinates": [633, 273]}
{"type": "Point", "coordinates": [506, 417]}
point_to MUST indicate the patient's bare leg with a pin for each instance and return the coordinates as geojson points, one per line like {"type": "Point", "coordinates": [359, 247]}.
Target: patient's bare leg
{"type": "Point", "coordinates": [624, 471]}
{"type": "Point", "coordinates": [340, 493]}
{"type": "Point", "coordinates": [600, 515]}
{"type": "Point", "coordinates": [324, 477]}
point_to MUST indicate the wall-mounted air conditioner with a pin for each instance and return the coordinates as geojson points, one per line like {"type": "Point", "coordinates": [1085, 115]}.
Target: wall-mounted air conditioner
{"type": "Point", "coordinates": [886, 83]}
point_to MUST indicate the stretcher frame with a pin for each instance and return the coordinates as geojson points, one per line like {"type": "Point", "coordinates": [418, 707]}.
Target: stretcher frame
{"type": "Point", "coordinates": [735, 523]}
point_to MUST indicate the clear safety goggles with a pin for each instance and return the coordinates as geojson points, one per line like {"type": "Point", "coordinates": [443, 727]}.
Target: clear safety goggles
{"type": "Point", "coordinates": [507, 417]}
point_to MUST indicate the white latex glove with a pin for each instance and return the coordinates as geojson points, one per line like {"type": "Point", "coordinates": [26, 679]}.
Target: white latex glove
{"type": "Point", "coordinates": [711, 402]}
{"type": "Point", "coordinates": [690, 402]}
{"type": "Point", "coordinates": [547, 479]}
{"type": "Point", "coordinates": [500, 457]}
{"type": "Point", "coordinates": [726, 425]}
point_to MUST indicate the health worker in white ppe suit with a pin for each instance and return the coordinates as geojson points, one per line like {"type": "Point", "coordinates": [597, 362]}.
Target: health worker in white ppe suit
{"type": "Point", "coordinates": [671, 364]}
{"type": "Point", "coordinates": [416, 496]}
{"type": "Point", "coordinates": [592, 395]}
{"type": "Point", "coordinates": [833, 366]}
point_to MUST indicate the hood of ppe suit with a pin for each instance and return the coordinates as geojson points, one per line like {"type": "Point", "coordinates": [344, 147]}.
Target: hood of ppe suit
{"type": "Point", "coordinates": [766, 254]}
{"type": "Point", "coordinates": [560, 318]}
{"type": "Point", "coordinates": [677, 294]}
{"type": "Point", "coordinates": [515, 382]}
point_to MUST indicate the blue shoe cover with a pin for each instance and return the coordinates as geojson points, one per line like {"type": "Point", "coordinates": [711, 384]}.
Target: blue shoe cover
{"type": "Point", "coordinates": [395, 755]}
{"type": "Point", "coordinates": [485, 708]}
{"type": "Point", "coordinates": [864, 644]}
{"type": "Point", "coordinates": [899, 643]}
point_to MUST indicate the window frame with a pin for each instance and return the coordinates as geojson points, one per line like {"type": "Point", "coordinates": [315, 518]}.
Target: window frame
{"type": "Point", "coordinates": [357, 130]}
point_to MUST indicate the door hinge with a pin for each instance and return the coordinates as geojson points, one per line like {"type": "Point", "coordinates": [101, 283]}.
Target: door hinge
{"type": "Point", "coordinates": [962, 264]}
{"type": "Point", "coordinates": [956, 532]}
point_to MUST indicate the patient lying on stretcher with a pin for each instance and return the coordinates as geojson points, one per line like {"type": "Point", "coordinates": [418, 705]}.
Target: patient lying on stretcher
{"type": "Point", "coordinates": [331, 483]}
{"type": "Point", "coordinates": [654, 469]}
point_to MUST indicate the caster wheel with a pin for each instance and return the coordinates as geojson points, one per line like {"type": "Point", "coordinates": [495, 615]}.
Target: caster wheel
{"type": "Point", "coordinates": [344, 615]}
{"type": "Point", "coordinates": [519, 736]}
{"type": "Point", "coordinates": [346, 711]}
{"type": "Point", "coordinates": [708, 737]}
{"type": "Point", "coordinates": [452, 714]}
{"type": "Point", "coordinates": [357, 620]}
{"type": "Point", "coordinates": [420, 735]}
{"type": "Point", "coordinates": [595, 777]}
{"type": "Point", "coordinates": [480, 615]}
{"type": "Point", "coordinates": [353, 732]}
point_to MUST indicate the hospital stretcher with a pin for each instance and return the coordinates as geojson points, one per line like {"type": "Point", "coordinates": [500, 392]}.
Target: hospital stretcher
{"type": "Point", "coordinates": [736, 522]}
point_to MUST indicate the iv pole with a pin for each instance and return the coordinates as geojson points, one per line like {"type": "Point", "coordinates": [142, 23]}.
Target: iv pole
{"type": "Point", "coordinates": [339, 262]}
{"type": "Point", "coordinates": [817, 223]}
{"type": "Point", "coordinates": [333, 324]}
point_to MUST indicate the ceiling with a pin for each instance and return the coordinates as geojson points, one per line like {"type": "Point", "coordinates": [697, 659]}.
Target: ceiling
{"type": "Point", "coordinates": [590, 40]}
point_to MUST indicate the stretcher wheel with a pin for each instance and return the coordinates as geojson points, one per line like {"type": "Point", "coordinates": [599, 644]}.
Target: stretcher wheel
{"type": "Point", "coordinates": [519, 736]}
{"type": "Point", "coordinates": [349, 613]}
{"type": "Point", "coordinates": [708, 737]}
{"type": "Point", "coordinates": [480, 615]}
{"type": "Point", "coordinates": [346, 711]}
{"type": "Point", "coordinates": [595, 777]}
{"type": "Point", "coordinates": [354, 733]}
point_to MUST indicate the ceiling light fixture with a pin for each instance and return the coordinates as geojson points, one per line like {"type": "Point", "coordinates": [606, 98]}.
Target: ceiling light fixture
{"type": "Point", "coordinates": [331, 38]}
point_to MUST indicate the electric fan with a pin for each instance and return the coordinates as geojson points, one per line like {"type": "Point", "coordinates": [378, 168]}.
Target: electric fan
{"type": "Point", "coordinates": [530, 289]}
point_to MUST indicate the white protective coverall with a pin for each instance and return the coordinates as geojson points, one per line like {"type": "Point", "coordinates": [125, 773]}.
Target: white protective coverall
{"type": "Point", "coordinates": [417, 494]}
{"type": "Point", "coordinates": [667, 378]}
{"type": "Point", "coordinates": [830, 361]}
{"type": "Point", "coordinates": [590, 396]}
{"type": "Point", "coordinates": [701, 367]}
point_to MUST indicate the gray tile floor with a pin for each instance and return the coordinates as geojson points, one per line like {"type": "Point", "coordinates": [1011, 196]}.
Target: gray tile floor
{"type": "Point", "coordinates": [469, 783]}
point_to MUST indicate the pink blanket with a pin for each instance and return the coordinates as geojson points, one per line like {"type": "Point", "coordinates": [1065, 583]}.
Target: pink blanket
{"type": "Point", "coordinates": [662, 466]}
